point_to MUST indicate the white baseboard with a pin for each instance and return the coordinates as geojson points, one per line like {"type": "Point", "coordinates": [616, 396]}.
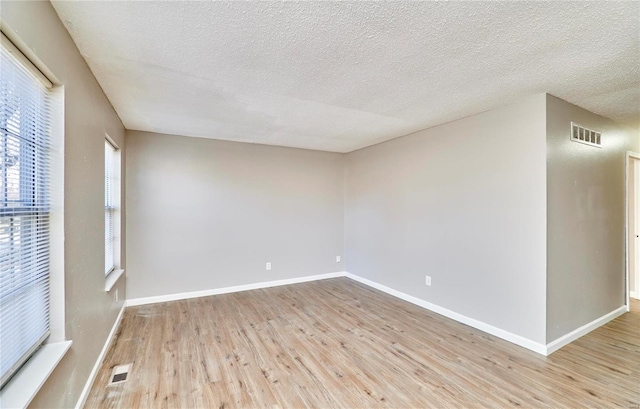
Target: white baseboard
{"type": "Point", "coordinates": [94, 372]}
{"type": "Point", "coordinates": [633, 294]}
{"type": "Point", "coordinates": [583, 330]}
{"type": "Point", "coordinates": [472, 322]}
{"type": "Point", "coordinates": [490, 329]}
{"type": "Point", "coordinates": [226, 290]}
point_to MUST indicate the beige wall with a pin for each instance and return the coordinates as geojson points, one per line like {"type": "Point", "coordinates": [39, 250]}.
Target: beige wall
{"type": "Point", "coordinates": [90, 312]}
{"type": "Point", "coordinates": [464, 203]}
{"type": "Point", "coordinates": [205, 214]}
{"type": "Point", "coordinates": [585, 218]}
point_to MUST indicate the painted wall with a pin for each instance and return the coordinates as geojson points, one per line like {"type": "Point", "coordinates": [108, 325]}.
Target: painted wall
{"type": "Point", "coordinates": [90, 312]}
{"type": "Point", "coordinates": [585, 218]}
{"type": "Point", "coordinates": [205, 214]}
{"type": "Point", "coordinates": [463, 202]}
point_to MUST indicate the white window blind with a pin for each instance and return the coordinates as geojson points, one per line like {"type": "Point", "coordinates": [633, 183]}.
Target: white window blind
{"type": "Point", "coordinates": [110, 206]}
{"type": "Point", "coordinates": [24, 214]}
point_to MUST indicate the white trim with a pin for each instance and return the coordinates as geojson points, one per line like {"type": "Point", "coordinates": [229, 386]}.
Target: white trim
{"type": "Point", "coordinates": [26, 51]}
{"type": "Point", "coordinates": [24, 386]}
{"type": "Point", "coordinates": [633, 294]}
{"type": "Point", "coordinates": [226, 290]}
{"type": "Point", "coordinates": [111, 141]}
{"type": "Point", "coordinates": [472, 322]}
{"type": "Point", "coordinates": [94, 372]}
{"type": "Point", "coordinates": [627, 160]}
{"type": "Point", "coordinates": [585, 329]}
{"type": "Point", "coordinates": [8, 45]}
{"type": "Point", "coordinates": [111, 279]}
{"type": "Point", "coordinates": [490, 329]}
{"type": "Point", "coordinates": [57, 308]}
{"type": "Point", "coordinates": [636, 216]}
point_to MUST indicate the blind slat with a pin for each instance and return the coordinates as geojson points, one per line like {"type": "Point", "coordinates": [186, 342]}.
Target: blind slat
{"type": "Point", "coordinates": [110, 206]}
{"type": "Point", "coordinates": [25, 128]}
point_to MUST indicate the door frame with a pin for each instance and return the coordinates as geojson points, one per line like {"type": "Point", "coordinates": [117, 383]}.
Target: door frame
{"type": "Point", "coordinates": [629, 156]}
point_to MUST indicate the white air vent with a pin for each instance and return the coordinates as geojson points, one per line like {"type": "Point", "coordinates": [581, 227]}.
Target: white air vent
{"type": "Point", "coordinates": [120, 374]}
{"type": "Point", "coordinates": [586, 136]}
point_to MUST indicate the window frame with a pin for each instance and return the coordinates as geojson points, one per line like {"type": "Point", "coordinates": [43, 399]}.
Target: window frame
{"type": "Point", "coordinates": [25, 208]}
{"type": "Point", "coordinates": [27, 381]}
{"type": "Point", "coordinates": [115, 272]}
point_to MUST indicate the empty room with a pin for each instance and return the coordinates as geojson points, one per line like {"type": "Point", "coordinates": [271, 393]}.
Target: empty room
{"type": "Point", "coordinates": [319, 204]}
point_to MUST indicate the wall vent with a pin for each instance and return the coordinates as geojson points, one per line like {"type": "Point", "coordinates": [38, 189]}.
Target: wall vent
{"type": "Point", "coordinates": [587, 136]}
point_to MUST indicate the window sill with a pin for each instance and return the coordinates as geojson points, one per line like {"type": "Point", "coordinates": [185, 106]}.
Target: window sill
{"type": "Point", "coordinates": [112, 279]}
{"type": "Point", "coordinates": [24, 386]}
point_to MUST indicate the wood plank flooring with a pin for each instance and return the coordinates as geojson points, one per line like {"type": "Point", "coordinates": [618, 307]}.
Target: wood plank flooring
{"type": "Point", "coordinates": [339, 344]}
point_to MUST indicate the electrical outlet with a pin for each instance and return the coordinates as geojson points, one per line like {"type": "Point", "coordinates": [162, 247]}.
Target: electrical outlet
{"type": "Point", "coordinates": [338, 259]}
{"type": "Point", "coordinates": [116, 295]}
{"type": "Point", "coordinates": [427, 280]}
{"type": "Point", "coordinates": [268, 266]}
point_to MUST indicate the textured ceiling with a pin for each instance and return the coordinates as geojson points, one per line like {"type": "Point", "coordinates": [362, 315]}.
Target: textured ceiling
{"type": "Point", "coordinates": [339, 76]}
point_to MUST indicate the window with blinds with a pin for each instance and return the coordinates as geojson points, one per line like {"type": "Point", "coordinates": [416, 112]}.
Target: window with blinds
{"type": "Point", "coordinates": [24, 213]}
{"type": "Point", "coordinates": [110, 206]}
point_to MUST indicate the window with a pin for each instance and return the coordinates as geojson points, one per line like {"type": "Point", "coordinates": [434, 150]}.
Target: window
{"type": "Point", "coordinates": [25, 157]}
{"type": "Point", "coordinates": [111, 206]}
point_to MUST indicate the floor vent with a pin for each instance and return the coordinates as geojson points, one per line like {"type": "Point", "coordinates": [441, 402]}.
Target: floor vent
{"type": "Point", "coordinates": [587, 136]}
{"type": "Point", "coordinates": [120, 374]}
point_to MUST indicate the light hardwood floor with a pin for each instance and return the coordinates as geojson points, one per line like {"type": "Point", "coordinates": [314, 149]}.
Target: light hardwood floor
{"type": "Point", "coordinates": [339, 344]}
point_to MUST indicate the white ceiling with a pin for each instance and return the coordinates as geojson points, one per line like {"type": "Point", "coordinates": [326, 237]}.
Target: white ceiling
{"type": "Point", "coordinates": [340, 76]}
